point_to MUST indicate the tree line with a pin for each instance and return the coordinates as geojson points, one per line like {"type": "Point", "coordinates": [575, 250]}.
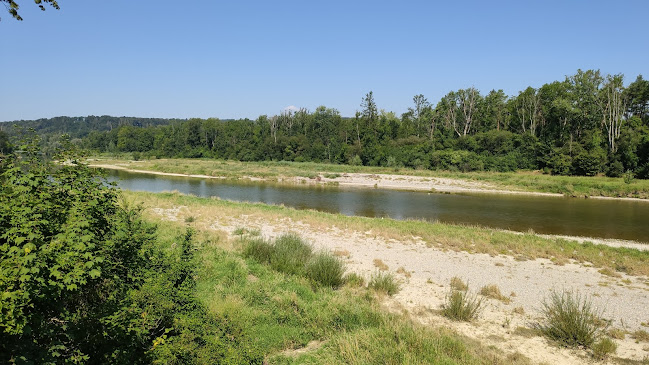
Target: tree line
{"type": "Point", "coordinates": [587, 124]}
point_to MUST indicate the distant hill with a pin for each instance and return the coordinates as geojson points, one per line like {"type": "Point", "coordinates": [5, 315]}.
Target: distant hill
{"type": "Point", "coordinates": [80, 127]}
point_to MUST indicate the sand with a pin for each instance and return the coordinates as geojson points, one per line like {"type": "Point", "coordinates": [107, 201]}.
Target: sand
{"type": "Point", "coordinates": [424, 272]}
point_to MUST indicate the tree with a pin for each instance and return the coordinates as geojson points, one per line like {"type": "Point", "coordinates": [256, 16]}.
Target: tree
{"type": "Point", "coordinates": [612, 106]}
{"type": "Point", "coordinates": [637, 98]}
{"type": "Point", "coordinates": [5, 146]}
{"type": "Point", "coordinates": [528, 109]}
{"type": "Point", "coordinates": [12, 6]}
{"type": "Point", "coordinates": [419, 111]}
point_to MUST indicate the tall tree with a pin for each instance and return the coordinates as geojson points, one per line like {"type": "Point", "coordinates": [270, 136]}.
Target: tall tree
{"type": "Point", "coordinates": [612, 105]}
{"type": "Point", "coordinates": [468, 99]}
{"type": "Point", "coordinates": [421, 107]}
{"type": "Point", "coordinates": [528, 110]}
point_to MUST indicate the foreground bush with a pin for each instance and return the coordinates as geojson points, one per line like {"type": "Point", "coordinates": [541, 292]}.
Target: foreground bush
{"type": "Point", "coordinates": [571, 320]}
{"type": "Point", "coordinates": [81, 278]}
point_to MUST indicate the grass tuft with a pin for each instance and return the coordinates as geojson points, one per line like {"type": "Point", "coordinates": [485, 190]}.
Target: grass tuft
{"type": "Point", "coordinates": [290, 254]}
{"type": "Point", "coordinates": [493, 291]}
{"type": "Point", "coordinates": [460, 305]}
{"type": "Point", "coordinates": [354, 280]}
{"type": "Point", "coordinates": [458, 284]}
{"type": "Point", "coordinates": [326, 270]}
{"type": "Point", "coordinates": [571, 320]}
{"type": "Point", "coordinates": [603, 348]}
{"type": "Point", "coordinates": [640, 335]}
{"type": "Point", "coordinates": [259, 250]}
{"type": "Point", "coordinates": [384, 282]}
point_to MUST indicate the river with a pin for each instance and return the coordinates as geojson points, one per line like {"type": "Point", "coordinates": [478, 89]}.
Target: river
{"type": "Point", "coordinates": [618, 219]}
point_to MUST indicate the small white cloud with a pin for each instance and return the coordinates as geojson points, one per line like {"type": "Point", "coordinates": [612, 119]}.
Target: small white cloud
{"type": "Point", "coordinates": [292, 108]}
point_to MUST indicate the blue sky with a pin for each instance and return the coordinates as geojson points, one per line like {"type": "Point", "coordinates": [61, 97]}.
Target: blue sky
{"type": "Point", "coordinates": [236, 59]}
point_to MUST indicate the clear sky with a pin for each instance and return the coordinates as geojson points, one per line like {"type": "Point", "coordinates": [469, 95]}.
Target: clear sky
{"type": "Point", "coordinates": [237, 59]}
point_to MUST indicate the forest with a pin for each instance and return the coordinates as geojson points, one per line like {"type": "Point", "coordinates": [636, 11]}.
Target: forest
{"type": "Point", "coordinates": [587, 124]}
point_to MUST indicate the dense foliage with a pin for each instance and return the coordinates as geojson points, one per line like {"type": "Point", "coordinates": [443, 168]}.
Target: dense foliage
{"type": "Point", "coordinates": [585, 125]}
{"type": "Point", "coordinates": [83, 281]}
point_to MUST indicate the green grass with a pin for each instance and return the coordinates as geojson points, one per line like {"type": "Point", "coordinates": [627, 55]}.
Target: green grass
{"type": "Point", "coordinates": [290, 254]}
{"type": "Point", "coordinates": [384, 283]}
{"type": "Point", "coordinates": [277, 170]}
{"type": "Point", "coordinates": [278, 313]}
{"type": "Point", "coordinates": [571, 320]}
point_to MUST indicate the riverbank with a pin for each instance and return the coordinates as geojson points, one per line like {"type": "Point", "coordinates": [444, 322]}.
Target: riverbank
{"type": "Point", "coordinates": [526, 183]}
{"type": "Point", "coordinates": [425, 256]}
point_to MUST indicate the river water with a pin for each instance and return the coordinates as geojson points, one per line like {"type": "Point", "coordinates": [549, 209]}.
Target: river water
{"type": "Point", "coordinates": [618, 219]}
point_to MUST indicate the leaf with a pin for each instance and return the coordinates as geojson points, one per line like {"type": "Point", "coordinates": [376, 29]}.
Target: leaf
{"type": "Point", "coordinates": [94, 273]}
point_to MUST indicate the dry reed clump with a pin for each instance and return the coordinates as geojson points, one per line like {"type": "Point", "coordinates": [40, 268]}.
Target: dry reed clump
{"type": "Point", "coordinates": [380, 265]}
{"type": "Point", "coordinates": [493, 291]}
{"type": "Point", "coordinates": [401, 270]}
{"type": "Point", "coordinates": [458, 284]}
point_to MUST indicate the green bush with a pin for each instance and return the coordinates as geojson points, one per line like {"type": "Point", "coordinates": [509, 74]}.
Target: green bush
{"type": "Point", "coordinates": [290, 254]}
{"type": "Point", "coordinates": [561, 164]}
{"type": "Point", "coordinates": [83, 280]}
{"type": "Point", "coordinates": [384, 282]}
{"type": "Point", "coordinates": [326, 270]}
{"type": "Point", "coordinates": [259, 250]}
{"type": "Point", "coordinates": [571, 320]}
{"type": "Point", "coordinates": [461, 306]}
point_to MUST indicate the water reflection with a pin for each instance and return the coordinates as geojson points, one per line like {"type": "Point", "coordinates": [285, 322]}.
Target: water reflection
{"type": "Point", "coordinates": [579, 217]}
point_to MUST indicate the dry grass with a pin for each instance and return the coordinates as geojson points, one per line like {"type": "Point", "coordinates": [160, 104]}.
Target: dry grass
{"type": "Point", "coordinates": [342, 253]}
{"type": "Point", "coordinates": [404, 272]}
{"type": "Point", "coordinates": [458, 284]}
{"type": "Point", "coordinates": [609, 272]}
{"type": "Point", "coordinates": [378, 263]}
{"type": "Point", "coordinates": [640, 335]}
{"type": "Point", "coordinates": [616, 333]}
{"type": "Point", "coordinates": [493, 291]}
{"type": "Point", "coordinates": [519, 310]}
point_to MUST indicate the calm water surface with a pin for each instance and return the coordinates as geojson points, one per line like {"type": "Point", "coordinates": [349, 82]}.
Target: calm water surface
{"type": "Point", "coordinates": [549, 215]}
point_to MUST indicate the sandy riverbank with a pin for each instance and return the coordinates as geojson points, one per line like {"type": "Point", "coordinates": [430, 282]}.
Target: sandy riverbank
{"type": "Point", "coordinates": [424, 271]}
{"type": "Point", "coordinates": [375, 181]}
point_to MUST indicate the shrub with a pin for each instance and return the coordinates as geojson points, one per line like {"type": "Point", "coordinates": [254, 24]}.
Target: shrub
{"type": "Point", "coordinates": [384, 282]}
{"type": "Point", "coordinates": [259, 250]}
{"type": "Point", "coordinates": [615, 169]}
{"type": "Point", "coordinates": [603, 348]}
{"type": "Point", "coordinates": [461, 306]}
{"type": "Point", "coordinates": [290, 254]}
{"type": "Point", "coordinates": [326, 270]}
{"type": "Point", "coordinates": [571, 320]}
